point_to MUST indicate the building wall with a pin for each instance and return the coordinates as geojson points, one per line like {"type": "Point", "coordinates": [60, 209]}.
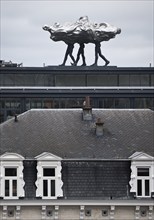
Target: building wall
{"type": "Point", "coordinates": [96, 179]}
{"type": "Point", "coordinates": [86, 179]}
{"type": "Point", "coordinates": [30, 176]}
{"type": "Point", "coordinates": [16, 101]}
{"type": "Point", "coordinates": [76, 76]}
{"type": "Point", "coordinates": [89, 212]}
{"type": "Point", "coordinates": [70, 213]}
{"type": "Point", "coordinates": [29, 212]}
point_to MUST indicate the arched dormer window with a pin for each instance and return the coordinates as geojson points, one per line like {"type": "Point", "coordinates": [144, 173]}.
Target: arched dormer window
{"type": "Point", "coordinates": [11, 178]}
{"type": "Point", "coordinates": [49, 182]}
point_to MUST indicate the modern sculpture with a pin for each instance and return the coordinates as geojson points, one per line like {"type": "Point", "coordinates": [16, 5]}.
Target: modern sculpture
{"type": "Point", "coordinates": [81, 32]}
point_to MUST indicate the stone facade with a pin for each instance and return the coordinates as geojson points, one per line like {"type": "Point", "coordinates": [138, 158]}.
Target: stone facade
{"type": "Point", "coordinates": [78, 211]}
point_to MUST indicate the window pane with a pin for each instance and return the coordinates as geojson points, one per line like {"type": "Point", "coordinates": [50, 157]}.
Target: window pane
{"type": "Point", "coordinates": [7, 188]}
{"type": "Point", "coordinates": [10, 172]}
{"type": "Point", "coordinates": [45, 188]}
{"type": "Point", "coordinates": [123, 80]}
{"type": "Point", "coordinates": [142, 103]}
{"type": "Point", "coordinates": [152, 80]}
{"type": "Point", "coordinates": [109, 103]}
{"type": "Point", "coordinates": [122, 103]}
{"type": "Point", "coordinates": [147, 188]}
{"type": "Point", "coordinates": [135, 80]}
{"type": "Point", "coordinates": [49, 172]}
{"type": "Point", "coordinates": [143, 171]}
{"type": "Point", "coordinates": [139, 187]}
{"type": "Point", "coordinates": [52, 187]}
{"type": "Point", "coordinates": [14, 187]}
{"type": "Point", "coordinates": [145, 80]}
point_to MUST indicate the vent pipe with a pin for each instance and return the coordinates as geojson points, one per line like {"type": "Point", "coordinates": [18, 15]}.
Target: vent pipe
{"type": "Point", "coordinates": [99, 127]}
{"type": "Point", "coordinates": [87, 110]}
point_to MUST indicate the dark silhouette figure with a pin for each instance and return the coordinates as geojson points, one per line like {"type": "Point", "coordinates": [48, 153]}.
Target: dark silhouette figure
{"type": "Point", "coordinates": [69, 52]}
{"type": "Point", "coordinates": [80, 52]}
{"type": "Point", "coordinates": [98, 52]}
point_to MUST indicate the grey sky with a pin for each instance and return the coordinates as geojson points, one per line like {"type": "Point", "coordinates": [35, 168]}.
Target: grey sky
{"type": "Point", "coordinates": [23, 40]}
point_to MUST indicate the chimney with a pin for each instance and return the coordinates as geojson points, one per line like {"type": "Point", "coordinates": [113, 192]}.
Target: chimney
{"type": "Point", "coordinates": [15, 118]}
{"type": "Point", "coordinates": [87, 110]}
{"type": "Point", "coordinates": [99, 127]}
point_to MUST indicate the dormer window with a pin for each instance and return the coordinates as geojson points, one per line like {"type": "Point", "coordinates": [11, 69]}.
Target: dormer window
{"type": "Point", "coordinates": [49, 182]}
{"type": "Point", "coordinates": [10, 182]}
{"type": "Point", "coordinates": [143, 182]}
{"type": "Point", "coordinates": [11, 179]}
{"type": "Point", "coordinates": [142, 175]}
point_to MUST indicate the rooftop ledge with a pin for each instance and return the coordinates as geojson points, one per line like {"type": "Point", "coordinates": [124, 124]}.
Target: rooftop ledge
{"type": "Point", "coordinates": [76, 87]}
{"type": "Point", "coordinates": [60, 202]}
{"type": "Point", "coordinates": [76, 68]}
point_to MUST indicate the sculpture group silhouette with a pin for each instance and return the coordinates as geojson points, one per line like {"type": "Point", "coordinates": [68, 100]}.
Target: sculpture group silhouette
{"type": "Point", "coordinates": [82, 32]}
{"type": "Point", "coordinates": [69, 52]}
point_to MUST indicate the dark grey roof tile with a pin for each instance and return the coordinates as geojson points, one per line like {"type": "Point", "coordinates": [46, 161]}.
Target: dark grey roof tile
{"type": "Point", "coordinates": [63, 133]}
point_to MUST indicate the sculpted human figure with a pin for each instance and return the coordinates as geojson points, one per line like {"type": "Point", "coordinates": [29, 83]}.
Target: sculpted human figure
{"type": "Point", "coordinates": [99, 53]}
{"type": "Point", "coordinates": [69, 52]}
{"type": "Point", "coordinates": [80, 53]}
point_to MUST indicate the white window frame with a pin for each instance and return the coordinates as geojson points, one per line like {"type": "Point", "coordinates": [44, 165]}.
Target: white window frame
{"type": "Point", "coordinates": [10, 179]}
{"type": "Point", "coordinates": [141, 160]}
{"type": "Point", "coordinates": [48, 160]}
{"type": "Point", "coordinates": [143, 178]}
{"type": "Point", "coordinates": [12, 160]}
{"type": "Point", "coordinates": [48, 178]}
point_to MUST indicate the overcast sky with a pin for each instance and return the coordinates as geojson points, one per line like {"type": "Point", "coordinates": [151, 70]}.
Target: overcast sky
{"type": "Point", "coordinates": [23, 40]}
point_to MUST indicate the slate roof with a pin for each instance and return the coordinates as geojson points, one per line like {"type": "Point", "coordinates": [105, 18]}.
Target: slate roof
{"type": "Point", "coordinates": [64, 133]}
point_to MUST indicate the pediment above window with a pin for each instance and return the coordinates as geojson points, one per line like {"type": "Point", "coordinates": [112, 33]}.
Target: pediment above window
{"type": "Point", "coordinates": [141, 156]}
{"type": "Point", "coordinates": [11, 156]}
{"type": "Point", "coordinates": [48, 156]}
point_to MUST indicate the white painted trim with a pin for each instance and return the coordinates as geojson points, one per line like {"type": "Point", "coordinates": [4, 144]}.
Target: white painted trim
{"type": "Point", "coordinates": [48, 160]}
{"type": "Point", "coordinates": [47, 156]}
{"type": "Point", "coordinates": [141, 160]}
{"type": "Point", "coordinates": [12, 160]}
{"type": "Point", "coordinates": [141, 156]}
{"type": "Point", "coordinates": [67, 202]}
{"type": "Point", "coordinates": [11, 156]}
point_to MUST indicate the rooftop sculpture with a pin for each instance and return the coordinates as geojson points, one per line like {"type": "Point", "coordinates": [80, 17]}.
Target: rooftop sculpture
{"type": "Point", "coordinates": [81, 32]}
